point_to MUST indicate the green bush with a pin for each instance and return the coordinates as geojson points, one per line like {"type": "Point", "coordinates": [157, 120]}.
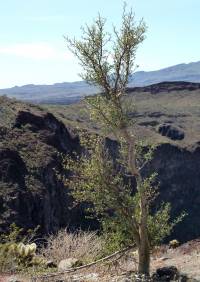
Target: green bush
{"type": "Point", "coordinates": [15, 252]}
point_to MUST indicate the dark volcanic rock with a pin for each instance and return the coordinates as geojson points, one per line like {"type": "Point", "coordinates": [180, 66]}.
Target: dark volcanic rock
{"type": "Point", "coordinates": [31, 193]}
{"type": "Point", "coordinates": [171, 131]}
{"type": "Point", "coordinates": [165, 86]}
{"type": "Point", "coordinates": [179, 184]}
{"type": "Point", "coordinates": [12, 167]}
{"type": "Point", "coordinates": [166, 274]}
{"type": "Point", "coordinates": [12, 188]}
{"type": "Point", "coordinates": [52, 131]}
{"type": "Point", "coordinates": [170, 273]}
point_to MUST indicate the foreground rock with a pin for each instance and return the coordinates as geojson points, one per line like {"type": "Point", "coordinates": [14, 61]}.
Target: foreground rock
{"type": "Point", "coordinates": [68, 263]}
{"type": "Point", "coordinates": [166, 274]}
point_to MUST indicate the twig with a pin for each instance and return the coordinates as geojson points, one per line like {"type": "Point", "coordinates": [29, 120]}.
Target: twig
{"type": "Point", "coordinates": [83, 266]}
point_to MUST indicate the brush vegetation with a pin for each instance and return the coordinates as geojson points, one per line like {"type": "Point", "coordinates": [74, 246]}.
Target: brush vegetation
{"type": "Point", "coordinates": [107, 61]}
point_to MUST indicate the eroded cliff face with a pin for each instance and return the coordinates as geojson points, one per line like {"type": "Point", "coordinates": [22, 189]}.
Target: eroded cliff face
{"type": "Point", "coordinates": [32, 194]}
{"type": "Point", "coordinates": [179, 184]}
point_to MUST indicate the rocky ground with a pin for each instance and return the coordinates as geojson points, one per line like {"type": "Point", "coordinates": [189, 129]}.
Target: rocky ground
{"type": "Point", "coordinates": [185, 258]}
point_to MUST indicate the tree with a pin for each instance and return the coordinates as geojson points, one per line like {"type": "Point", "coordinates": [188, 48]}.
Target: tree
{"type": "Point", "coordinates": [108, 61]}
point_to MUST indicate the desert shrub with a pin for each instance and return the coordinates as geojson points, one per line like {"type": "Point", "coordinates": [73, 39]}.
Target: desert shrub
{"type": "Point", "coordinates": [173, 244]}
{"type": "Point", "coordinates": [85, 246]}
{"type": "Point", "coordinates": [16, 253]}
{"type": "Point", "coordinates": [7, 261]}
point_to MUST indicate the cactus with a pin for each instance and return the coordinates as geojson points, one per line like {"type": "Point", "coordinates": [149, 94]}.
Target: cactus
{"type": "Point", "coordinates": [32, 248]}
{"type": "Point", "coordinates": [26, 251]}
{"type": "Point", "coordinates": [23, 254]}
{"type": "Point", "coordinates": [38, 261]}
{"type": "Point", "coordinates": [174, 244]}
{"type": "Point", "coordinates": [16, 254]}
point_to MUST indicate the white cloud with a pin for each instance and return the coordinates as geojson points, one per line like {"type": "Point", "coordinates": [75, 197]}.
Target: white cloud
{"type": "Point", "coordinates": [41, 51]}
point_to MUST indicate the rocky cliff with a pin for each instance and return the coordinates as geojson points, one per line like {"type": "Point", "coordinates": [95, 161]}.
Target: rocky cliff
{"type": "Point", "coordinates": [31, 194]}
{"type": "Point", "coordinates": [179, 184]}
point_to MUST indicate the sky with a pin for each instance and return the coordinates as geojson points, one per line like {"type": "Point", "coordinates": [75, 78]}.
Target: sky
{"type": "Point", "coordinates": [33, 50]}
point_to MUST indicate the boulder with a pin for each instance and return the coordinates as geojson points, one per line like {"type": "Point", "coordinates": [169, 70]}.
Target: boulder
{"type": "Point", "coordinates": [170, 273]}
{"type": "Point", "coordinates": [68, 263]}
{"type": "Point", "coordinates": [166, 274]}
{"type": "Point", "coordinates": [171, 131]}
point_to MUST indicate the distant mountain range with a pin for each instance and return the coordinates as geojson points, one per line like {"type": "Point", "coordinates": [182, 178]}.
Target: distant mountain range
{"type": "Point", "coordinates": [182, 72]}
{"type": "Point", "coordinates": [70, 92]}
{"type": "Point", "coordinates": [58, 93]}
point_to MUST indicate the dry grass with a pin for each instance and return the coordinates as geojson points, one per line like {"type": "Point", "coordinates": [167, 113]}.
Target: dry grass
{"type": "Point", "coordinates": [85, 246]}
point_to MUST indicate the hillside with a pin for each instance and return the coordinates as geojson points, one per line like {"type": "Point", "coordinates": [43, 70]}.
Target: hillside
{"type": "Point", "coordinates": [31, 193]}
{"type": "Point", "coordinates": [70, 92]}
{"type": "Point", "coordinates": [32, 138]}
{"type": "Point", "coordinates": [170, 103]}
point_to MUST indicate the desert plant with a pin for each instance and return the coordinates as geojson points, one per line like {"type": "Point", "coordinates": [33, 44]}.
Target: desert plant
{"type": "Point", "coordinates": [15, 250]}
{"type": "Point", "coordinates": [101, 182]}
{"type": "Point", "coordinates": [108, 61]}
{"type": "Point", "coordinates": [82, 245]}
{"type": "Point", "coordinates": [173, 244]}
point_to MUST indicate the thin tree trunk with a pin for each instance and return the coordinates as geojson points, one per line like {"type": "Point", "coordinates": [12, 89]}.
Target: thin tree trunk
{"type": "Point", "coordinates": [144, 257]}
{"type": "Point", "coordinates": [144, 248]}
{"type": "Point", "coordinates": [143, 242]}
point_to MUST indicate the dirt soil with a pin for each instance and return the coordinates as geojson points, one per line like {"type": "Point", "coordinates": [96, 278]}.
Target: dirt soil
{"type": "Point", "coordinates": [186, 258]}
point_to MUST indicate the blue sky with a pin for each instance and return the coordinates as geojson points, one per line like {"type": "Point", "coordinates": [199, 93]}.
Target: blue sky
{"type": "Point", "coordinates": [32, 48]}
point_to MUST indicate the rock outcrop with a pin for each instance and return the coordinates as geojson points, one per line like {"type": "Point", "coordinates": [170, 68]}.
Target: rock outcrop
{"type": "Point", "coordinates": [166, 86]}
{"type": "Point", "coordinates": [179, 184]}
{"type": "Point", "coordinates": [171, 131]}
{"type": "Point", "coordinates": [31, 193]}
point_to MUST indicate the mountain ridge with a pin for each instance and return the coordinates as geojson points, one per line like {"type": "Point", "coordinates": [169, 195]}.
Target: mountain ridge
{"type": "Point", "coordinates": [70, 92]}
{"type": "Point", "coordinates": [182, 72]}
